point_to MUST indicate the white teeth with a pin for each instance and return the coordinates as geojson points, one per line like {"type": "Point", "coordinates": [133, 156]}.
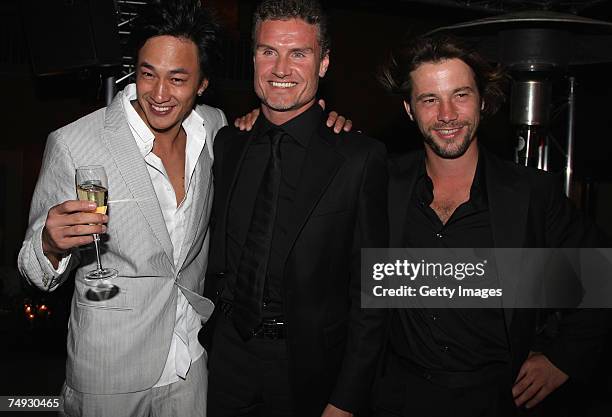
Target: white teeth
{"type": "Point", "coordinates": [447, 131]}
{"type": "Point", "coordinates": [282, 85]}
{"type": "Point", "coordinates": [160, 109]}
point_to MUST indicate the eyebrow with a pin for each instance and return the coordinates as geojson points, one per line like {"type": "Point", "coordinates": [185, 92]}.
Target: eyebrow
{"type": "Point", "coordinates": [466, 88]}
{"type": "Point", "coordinates": [424, 95]}
{"type": "Point", "coordinates": [179, 70]}
{"type": "Point", "coordinates": [455, 91]}
{"type": "Point", "coordinates": [305, 50]}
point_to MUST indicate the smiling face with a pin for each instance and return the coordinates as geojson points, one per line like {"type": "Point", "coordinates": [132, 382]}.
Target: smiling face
{"type": "Point", "coordinates": [446, 105]}
{"type": "Point", "coordinates": [167, 82]}
{"type": "Point", "coordinates": [288, 65]}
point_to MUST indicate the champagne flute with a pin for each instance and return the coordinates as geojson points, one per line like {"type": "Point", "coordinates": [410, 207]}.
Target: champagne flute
{"type": "Point", "coordinates": [92, 185]}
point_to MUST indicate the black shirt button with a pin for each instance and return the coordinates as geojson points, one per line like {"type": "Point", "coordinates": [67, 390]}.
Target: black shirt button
{"type": "Point", "coordinates": [434, 317]}
{"type": "Point", "coordinates": [439, 235]}
{"type": "Point", "coordinates": [444, 348]}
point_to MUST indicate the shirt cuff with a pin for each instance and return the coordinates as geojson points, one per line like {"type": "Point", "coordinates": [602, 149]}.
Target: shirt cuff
{"type": "Point", "coordinates": [50, 274]}
{"type": "Point", "coordinates": [61, 268]}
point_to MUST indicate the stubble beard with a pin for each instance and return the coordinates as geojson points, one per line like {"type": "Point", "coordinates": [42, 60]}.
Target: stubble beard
{"type": "Point", "coordinates": [450, 149]}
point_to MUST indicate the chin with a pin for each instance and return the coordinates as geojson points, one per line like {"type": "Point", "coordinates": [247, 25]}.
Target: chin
{"type": "Point", "coordinates": [446, 150]}
{"type": "Point", "coordinates": [162, 127]}
{"type": "Point", "coordinates": [279, 105]}
{"type": "Point", "coordinates": [450, 154]}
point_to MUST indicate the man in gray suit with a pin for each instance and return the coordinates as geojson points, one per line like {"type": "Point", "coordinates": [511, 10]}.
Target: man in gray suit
{"type": "Point", "coordinates": [136, 354]}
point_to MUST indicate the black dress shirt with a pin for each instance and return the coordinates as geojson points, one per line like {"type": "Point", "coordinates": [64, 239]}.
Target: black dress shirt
{"type": "Point", "coordinates": [294, 144]}
{"type": "Point", "coordinates": [449, 339]}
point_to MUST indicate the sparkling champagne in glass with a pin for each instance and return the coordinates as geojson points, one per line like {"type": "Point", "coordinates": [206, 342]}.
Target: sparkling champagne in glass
{"type": "Point", "coordinates": [92, 185]}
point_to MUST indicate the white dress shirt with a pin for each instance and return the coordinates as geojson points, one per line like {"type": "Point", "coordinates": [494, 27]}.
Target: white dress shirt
{"type": "Point", "coordinates": [185, 348]}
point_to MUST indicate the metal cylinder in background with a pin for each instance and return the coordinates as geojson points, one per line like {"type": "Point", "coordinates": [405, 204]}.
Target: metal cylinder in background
{"type": "Point", "coordinates": [109, 89]}
{"type": "Point", "coordinates": [571, 111]}
{"type": "Point", "coordinates": [530, 102]}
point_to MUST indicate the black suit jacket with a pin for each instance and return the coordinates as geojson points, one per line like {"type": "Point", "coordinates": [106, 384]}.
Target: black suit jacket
{"type": "Point", "coordinates": [528, 210]}
{"type": "Point", "coordinates": [340, 207]}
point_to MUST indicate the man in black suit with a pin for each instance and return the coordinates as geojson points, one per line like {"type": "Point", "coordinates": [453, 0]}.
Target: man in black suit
{"type": "Point", "coordinates": [294, 205]}
{"type": "Point", "coordinates": [468, 362]}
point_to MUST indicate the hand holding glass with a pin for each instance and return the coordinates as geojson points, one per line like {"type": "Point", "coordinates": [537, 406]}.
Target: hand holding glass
{"type": "Point", "coordinates": [92, 185]}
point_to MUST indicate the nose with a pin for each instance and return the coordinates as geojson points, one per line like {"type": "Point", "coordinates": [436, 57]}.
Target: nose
{"type": "Point", "coordinates": [160, 91]}
{"type": "Point", "coordinates": [447, 112]}
{"type": "Point", "coordinates": [281, 67]}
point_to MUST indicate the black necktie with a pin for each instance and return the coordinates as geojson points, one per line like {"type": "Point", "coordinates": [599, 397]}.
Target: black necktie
{"type": "Point", "coordinates": [253, 267]}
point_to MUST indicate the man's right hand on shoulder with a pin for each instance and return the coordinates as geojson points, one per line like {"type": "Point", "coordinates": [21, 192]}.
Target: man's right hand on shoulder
{"type": "Point", "coordinates": [69, 225]}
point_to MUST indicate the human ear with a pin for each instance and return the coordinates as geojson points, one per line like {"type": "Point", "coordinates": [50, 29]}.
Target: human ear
{"type": "Point", "coordinates": [203, 86]}
{"type": "Point", "coordinates": [324, 65]}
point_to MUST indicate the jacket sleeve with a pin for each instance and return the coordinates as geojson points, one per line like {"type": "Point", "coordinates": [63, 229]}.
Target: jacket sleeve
{"type": "Point", "coordinates": [55, 185]}
{"type": "Point", "coordinates": [366, 325]}
{"type": "Point", "coordinates": [579, 341]}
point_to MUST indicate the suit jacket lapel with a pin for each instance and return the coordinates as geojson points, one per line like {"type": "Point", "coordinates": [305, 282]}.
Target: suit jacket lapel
{"type": "Point", "coordinates": [508, 196]}
{"type": "Point", "coordinates": [132, 168]}
{"type": "Point", "coordinates": [201, 198]}
{"type": "Point", "coordinates": [234, 151]}
{"type": "Point", "coordinates": [402, 178]}
{"type": "Point", "coordinates": [318, 170]}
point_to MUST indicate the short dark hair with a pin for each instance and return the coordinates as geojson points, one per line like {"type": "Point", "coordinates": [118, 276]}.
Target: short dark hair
{"type": "Point", "coordinates": [310, 11]}
{"type": "Point", "coordinates": [185, 19]}
{"type": "Point", "coordinates": [395, 73]}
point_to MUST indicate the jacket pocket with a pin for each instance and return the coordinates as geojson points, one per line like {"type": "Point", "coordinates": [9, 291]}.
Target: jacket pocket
{"type": "Point", "coordinates": [118, 302]}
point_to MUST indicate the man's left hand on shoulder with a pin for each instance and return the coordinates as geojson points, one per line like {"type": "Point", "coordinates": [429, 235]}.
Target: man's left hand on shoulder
{"type": "Point", "coordinates": [332, 411]}
{"type": "Point", "coordinates": [537, 378]}
{"type": "Point", "coordinates": [334, 120]}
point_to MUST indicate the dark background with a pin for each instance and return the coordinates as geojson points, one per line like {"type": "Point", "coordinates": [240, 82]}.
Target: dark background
{"type": "Point", "coordinates": [33, 350]}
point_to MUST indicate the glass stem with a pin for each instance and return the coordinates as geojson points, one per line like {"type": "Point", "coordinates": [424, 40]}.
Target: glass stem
{"type": "Point", "coordinates": [96, 238]}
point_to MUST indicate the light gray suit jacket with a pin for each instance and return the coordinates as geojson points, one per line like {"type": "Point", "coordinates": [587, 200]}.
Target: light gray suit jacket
{"type": "Point", "coordinates": [121, 345]}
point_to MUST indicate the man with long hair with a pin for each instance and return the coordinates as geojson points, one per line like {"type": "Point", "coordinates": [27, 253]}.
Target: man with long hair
{"type": "Point", "coordinates": [455, 194]}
